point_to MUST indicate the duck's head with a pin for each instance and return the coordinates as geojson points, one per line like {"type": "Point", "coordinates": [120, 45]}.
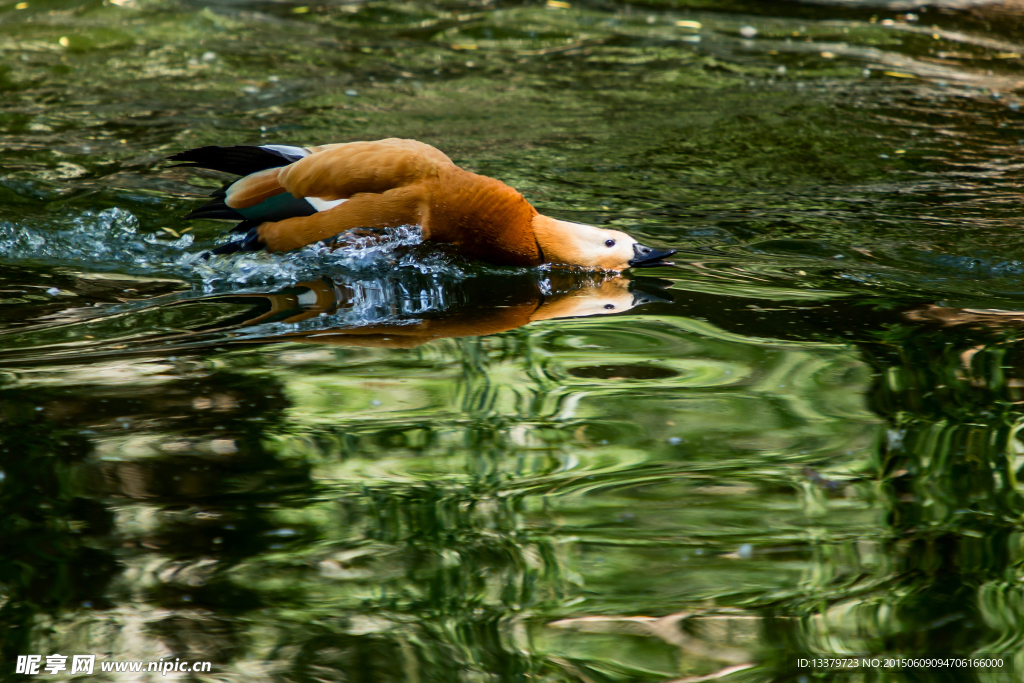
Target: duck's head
{"type": "Point", "coordinates": [585, 245]}
{"type": "Point", "coordinates": [611, 296]}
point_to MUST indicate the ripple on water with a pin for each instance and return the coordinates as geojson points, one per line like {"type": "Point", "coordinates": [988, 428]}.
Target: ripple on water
{"type": "Point", "coordinates": [693, 373]}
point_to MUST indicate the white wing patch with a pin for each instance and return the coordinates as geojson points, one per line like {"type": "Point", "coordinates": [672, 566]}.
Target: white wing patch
{"type": "Point", "coordinates": [324, 204]}
{"type": "Point", "coordinates": [288, 149]}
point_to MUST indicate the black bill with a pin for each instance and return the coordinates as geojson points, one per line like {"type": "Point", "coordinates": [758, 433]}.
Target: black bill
{"type": "Point", "coordinates": [646, 257]}
{"type": "Point", "coordinates": [650, 290]}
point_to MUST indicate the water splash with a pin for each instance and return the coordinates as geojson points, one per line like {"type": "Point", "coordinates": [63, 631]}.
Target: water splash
{"type": "Point", "coordinates": [105, 240]}
{"type": "Point", "coordinates": [396, 250]}
{"type": "Point", "coordinates": [110, 240]}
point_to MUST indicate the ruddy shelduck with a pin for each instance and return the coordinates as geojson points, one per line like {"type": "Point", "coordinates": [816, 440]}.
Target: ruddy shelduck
{"type": "Point", "coordinates": [293, 196]}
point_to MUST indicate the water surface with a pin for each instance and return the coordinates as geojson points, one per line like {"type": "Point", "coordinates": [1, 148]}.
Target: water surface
{"type": "Point", "coordinates": [391, 464]}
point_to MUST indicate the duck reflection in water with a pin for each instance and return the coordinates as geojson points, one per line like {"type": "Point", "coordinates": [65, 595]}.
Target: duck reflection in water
{"type": "Point", "coordinates": [405, 310]}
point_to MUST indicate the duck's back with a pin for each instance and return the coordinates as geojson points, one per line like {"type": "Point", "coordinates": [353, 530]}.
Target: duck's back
{"type": "Point", "coordinates": [294, 196]}
{"type": "Point", "coordinates": [486, 218]}
{"type": "Point", "coordinates": [339, 171]}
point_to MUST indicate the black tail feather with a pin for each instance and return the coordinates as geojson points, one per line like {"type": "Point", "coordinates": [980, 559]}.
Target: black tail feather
{"type": "Point", "coordinates": [215, 213]}
{"type": "Point", "coordinates": [251, 242]}
{"type": "Point", "coordinates": [239, 160]}
{"type": "Point", "coordinates": [228, 248]}
{"type": "Point", "coordinates": [246, 225]}
{"type": "Point", "coordinates": [216, 209]}
{"type": "Point", "coordinates": [214, 203]}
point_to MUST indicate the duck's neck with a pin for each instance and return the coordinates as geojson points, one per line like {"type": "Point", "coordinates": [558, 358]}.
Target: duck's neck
{"type": "Point", "coordinates": [558, 240]}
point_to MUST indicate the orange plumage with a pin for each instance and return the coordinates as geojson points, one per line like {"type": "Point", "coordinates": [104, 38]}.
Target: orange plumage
{"type": "Point", "coordinates": [300, 196]}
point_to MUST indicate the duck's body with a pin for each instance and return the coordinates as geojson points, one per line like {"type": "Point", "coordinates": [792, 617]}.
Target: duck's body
{"type": "Point", "coordinates": [292, 196]}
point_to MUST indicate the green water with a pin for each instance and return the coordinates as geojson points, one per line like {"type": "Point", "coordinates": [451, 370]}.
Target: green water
{"type": "Point", "coordinates": [395, 465]}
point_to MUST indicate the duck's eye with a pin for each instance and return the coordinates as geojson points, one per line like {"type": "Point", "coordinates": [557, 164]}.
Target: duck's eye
{"type": "Point", "coordinates": [609, 307]}
{"type": "Point", "coordinates": [609, 243]}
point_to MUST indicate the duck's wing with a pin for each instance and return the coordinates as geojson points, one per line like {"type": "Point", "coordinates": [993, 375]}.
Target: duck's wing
{"type": "Point", "coordinates": [335, 172]}
{"type": "Point", "coordinates": [327, 175]}
{"type": "Point", "coordinates": [255, 197]}
{"type": "Point", "coordinates": [284, 182]}
{"type": "Point", "coordinates": [378, 184]}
